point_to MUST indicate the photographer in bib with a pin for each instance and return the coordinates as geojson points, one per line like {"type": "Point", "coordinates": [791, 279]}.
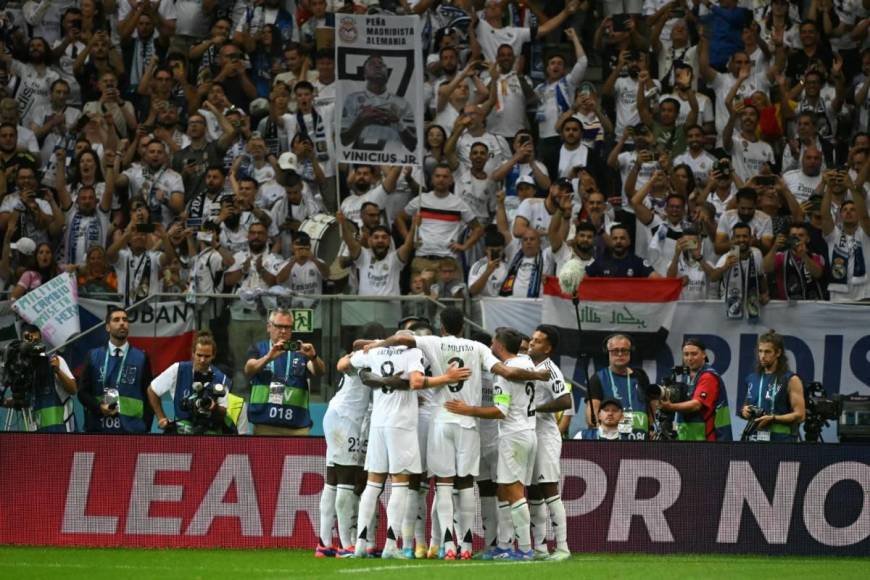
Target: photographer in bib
{"type": "Point", "coordinates": [625, 384]}
{"type": "Point", "coordinates": [41, 387]}
{"type": "Point", "coordinates": [705, 415]}
{"type": "Point", "coordinates": [774, 407]}
{"type": "Point", "coordinates": [115, 381]}
{"type": "Point", "coordinates": [199, 393]}
{"type": "Point", "coordinates": [278, 370]}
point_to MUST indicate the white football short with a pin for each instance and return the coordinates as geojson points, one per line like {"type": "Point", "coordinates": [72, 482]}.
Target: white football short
{"type": "Point", "coordinates": [392, 450]}
{"type": "Point", "coordinates": [547, 469]}
{"type": "Point", "coordinates": [516, 457]}
{"type": "Point", "coordinates": [345, 443]}
{"type": "Point", "coordinates": [454, 450]}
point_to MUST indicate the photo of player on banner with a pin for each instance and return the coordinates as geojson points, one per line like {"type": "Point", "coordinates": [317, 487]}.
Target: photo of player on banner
{"type": "Point", "coordinates": [379, 89]}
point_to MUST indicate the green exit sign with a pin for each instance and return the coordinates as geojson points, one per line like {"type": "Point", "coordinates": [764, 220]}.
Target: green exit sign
{"type": "Point", "coordinates": [303, 320]}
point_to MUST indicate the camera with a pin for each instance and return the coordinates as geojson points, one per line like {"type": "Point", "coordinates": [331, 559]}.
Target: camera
{"type": "Point", "coordinates": [791, 243]}
{"type": "Point", "coordinates": [820, 410]}
{"type": "Point", "coordinates": [723, 166]}
{"type": "Point", "coordinates": [671, 390]}
{"type": "Point", "coordinates": [751, 426]}
{"type": "Point", "coordinates": [203, 393]}
{"type": "Point", "coordinates": [25, 369]}
{"type": "Point", "coordinates": [292, 345]}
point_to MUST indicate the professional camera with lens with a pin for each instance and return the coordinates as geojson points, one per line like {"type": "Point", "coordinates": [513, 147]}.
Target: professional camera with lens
{"type": "Point", "coordinates": [820, 410]}
{"type": "Point", "coordinates": [751, 426]}
{"type": "Point", "coordinates": [25, 368]}
{"type": "Point", "coordinates": [203, 393]}
{"type": "Point", "coordinates": [672, 389]}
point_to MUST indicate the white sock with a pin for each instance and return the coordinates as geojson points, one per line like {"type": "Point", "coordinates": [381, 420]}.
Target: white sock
{"type": "Point", "coordinates": [489, 515]}
{"type": "Point", "coordinates": [344, 500]}
{"type": "Point", "coordinates": [538, 512]}
{"type": "Point", "coordinates": [422, 511]}
{"type": "Point", "coordinates": [559, 521]}
{"type": "Point", "coordinates": [354, 520]}
{"type": "Point", "coordinates": [409, 522]}
{"type": "Point", "coordinates": [505, 526]}
{"type": "Point", "coordinates": [368, 507]}
{"type": "Point", "coordinates": [372, 540]}
{"type": "Point", "coordinates": [444, 508]}
{"type": "Point", "coordinates": [396, 512]}
{"type": "Point", "coordinates": [327, 515]}
{"type": "Point", "coordinates": [467, 507]}
{"type": "Point", "coordinates": [435, 526]}
{"type": "Point", "coordinates": [522, 522]}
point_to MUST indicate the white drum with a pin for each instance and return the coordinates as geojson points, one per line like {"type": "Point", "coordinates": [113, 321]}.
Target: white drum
{"type": "Point", "coordinates": [325, 236]}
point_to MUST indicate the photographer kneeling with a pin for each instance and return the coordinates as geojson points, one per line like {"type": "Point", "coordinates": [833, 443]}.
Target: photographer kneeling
{"type": "Point", "coordinates": [198, 391]}
{"type": "Point", "coordinates": [705, 416]}
{"type": "Point", "coordinates": [774, 405]}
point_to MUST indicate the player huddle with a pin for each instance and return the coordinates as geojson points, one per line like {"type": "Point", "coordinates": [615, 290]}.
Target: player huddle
{"type": "Point", "coordinates": [456, 411]}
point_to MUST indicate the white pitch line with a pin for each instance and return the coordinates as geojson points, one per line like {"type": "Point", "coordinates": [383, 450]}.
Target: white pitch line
{"type": "Point", "coordinates": [438, 565]}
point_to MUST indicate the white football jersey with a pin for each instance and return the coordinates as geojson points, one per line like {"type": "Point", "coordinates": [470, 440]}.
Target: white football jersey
{"type": "Point", "coordinates": [441, 352]}
{"type": "Point", "coordinates": [546, 391]}
{"type": "Point", "coordinates": [391, 408]}
{"type": "Point", "coordinates": [352, 398]}
{"type": "Point", "coordinates": [515, 399]}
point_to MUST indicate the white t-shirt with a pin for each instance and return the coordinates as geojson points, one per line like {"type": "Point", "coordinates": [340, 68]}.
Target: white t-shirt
{"type": "Point", "coordinates": [568, 159]}
{"type": "Point", "coordinates": [395, 409]}
{"type": "Point", "coordinates": [534, 211]}
{"type": "Point", "coordinates": [761, 224]}
{"type": "Point", "coordinates": [499, 150]}
{"type": "Point", "coordinates": [845, 244]}
{"type": "Point", "coordinates": [440, 353]}
{"type": "Point", "coordinates": [479, 194]}
{"type": "Point", "coordinates": [491, 38]}
{"type": "Point", "coordinates": [146, 183]}
{"type": "Point", "coordinates": [626, 161]}
{"type": "Point", "coordinates": [722, 86]}
{"type": "Point", "coordinates": [304, 278]}
{"type": "Point", "coordinates": [802, 186]}
{"type": "Point", "coordinates": [508, 115]}
{"type": "Point", "coordinates": [625, 94]}
{"type": "Point", "coordinates": [379, 277]}
{"type": "Point", "coordinates": [701, 165]}
{"type": "Point", "coordinates": [33, 88]}
{"type": "Point", "coordinates": [138, 276]}
{"type": "Point", "coordinates": [747, 157]}
{"type": "Point", "coordinates": [444, 220]}
{"type": "Point", "coordinates": [166, 381]}
{"type": "Point", "coordinates": [516, 400]}
{"type": "Point", "coordinates": [351, 207]}
{"type": "Point", "coordinates": [492, 287]}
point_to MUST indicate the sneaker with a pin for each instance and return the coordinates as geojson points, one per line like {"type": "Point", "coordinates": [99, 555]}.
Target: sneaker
{"type": "Point", "coordinates": [392, 554]}
{"type": "Point", "coordinates": [559, 555]}
{"type": "Point", "coordinates": [408, 553]}
{"type": "Point", "coordinates": [465, 555]}
{"type": "Point", "coordinates": [485, 555]}
{"type": "Point", "coordinates": [357, 553]}
{"type": "Point", "coordinates": [541, 554]}
{"type": "Point", "coordinates": [440, 553]}
{"type": "Point", "coordinates": [433, 553]}
{"type": "Point", "coordinates": [420, 552]}
{"type": "Point", "coordinates": [450, 555]}
{"type": "Point", "coordinates": [324, 552]}
{"type": "Point", "coordinates": [344, 552]}
{"type": "Point", "coordinates": [502, 554]}
{"type": "Point", "coordinates": [374, 552]}
{"type": "Point", "coordinates": [520, 555]}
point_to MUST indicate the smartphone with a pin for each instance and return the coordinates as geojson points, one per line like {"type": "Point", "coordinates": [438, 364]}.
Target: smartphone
{"type": "Point", "coordinates": [493, 254]}
{"type": "Point", "coordinates": [692, 244]}
{"type": "Point", "coordinates": [206, 237]}
{"type": "Point", "coordinates": [619, 22]}
{"type": "Point", "coordinates": [766, 180]}
{"type": "Point", "coordinates": [145, 228]}
{"type": "Point", "coordinates": [193, 223]}
{"type": "Point", "coordinates": [678, 13]}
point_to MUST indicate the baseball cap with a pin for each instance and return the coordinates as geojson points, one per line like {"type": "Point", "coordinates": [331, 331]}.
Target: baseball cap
{"type": "Point", "coordinates": [611, 401]}
{"type": "Point", "coordinates": [288, 162]}
{"type": "Point", "coordinates": [25, 246]}
{"type": "Point", "coordinates": [526, 179]}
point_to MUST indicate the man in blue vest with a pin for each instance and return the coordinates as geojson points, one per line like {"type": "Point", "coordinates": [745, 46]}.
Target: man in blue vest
{"type": "Point", "coordinates": [52, 403]}
{"type": "Point", "coordinates": [205, 414]}
{"type": "Point", "coordinates": [278, 370]}
{"type": "Point", "coordinates": [705, 416]}
{"type": "Point", "coordinates": [114, 382]}
{"type": "Point", "coordinates": [774, 394]}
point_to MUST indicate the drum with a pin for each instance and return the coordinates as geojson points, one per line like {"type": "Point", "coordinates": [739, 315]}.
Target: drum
{"type": "Point", "coordinates": [325, 236]}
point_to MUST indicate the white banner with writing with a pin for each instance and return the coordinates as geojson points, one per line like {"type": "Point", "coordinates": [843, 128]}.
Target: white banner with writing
{"type": "Point", "coordinates": [53, 308]}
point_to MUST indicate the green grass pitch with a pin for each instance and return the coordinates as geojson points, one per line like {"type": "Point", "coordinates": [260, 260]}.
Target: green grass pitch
{"type": "Point", "coordinates": [94, 564]}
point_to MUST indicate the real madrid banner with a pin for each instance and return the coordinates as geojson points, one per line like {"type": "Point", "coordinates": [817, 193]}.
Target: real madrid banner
{"type": "Point", "coordinates": [380, 89]}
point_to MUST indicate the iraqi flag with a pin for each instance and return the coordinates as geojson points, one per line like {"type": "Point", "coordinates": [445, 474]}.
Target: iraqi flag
{"type": "Point", "coordinates": [163, 330]}
{"type": "Point", "coordinates": [640, 307]}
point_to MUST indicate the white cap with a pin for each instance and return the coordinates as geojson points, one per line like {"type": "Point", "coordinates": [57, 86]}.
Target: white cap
{"type": "Point", "coordinates": [24, 246]}
{"type": "Point", "coordinates": [288, 162]}
{"type": "Point", "coordinates": [527, 179]}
